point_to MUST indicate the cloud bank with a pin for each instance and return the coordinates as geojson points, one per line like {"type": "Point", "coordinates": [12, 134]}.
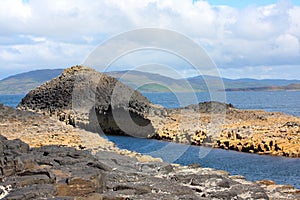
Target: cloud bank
{"type": "Point", "coordinates": [251, 41]}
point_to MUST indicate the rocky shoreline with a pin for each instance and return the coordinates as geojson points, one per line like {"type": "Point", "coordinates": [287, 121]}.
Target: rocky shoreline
{"type": "Point", "coordinates": [86, 101]}
{"type": "Point", "coordinates": [61, 169]}
{"type": "Point", "coordinates": [251, 131]}
{"type": "Point", "coordinates": [93, 101]}
{"type": "Point", "coordinates": [39, 130]}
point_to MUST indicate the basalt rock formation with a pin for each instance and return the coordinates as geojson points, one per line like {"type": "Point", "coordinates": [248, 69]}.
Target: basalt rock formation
{"type": "Point", "coordinates": [93, 101]}
{"type": "Point", "coordinates": [261, 132]}
{"type": "Point", "coordinates": [252, 131]}
{"type": "Point", "coordinates": [63, 172]}
{"type": "Point", "coordinates": [60, 172]}
{"type": "Point", "coordinates": [86, 98]}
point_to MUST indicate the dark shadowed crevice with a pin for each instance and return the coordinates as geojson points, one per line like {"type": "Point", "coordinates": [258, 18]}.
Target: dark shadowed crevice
{"type": "Point", "coordinates": [117, 122]}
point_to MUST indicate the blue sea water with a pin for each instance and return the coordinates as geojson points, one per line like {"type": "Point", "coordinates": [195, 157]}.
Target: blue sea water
{"type": "Point", "coordinates": [281, 101]}
{"type": "Point", "coordinates": [253, 167]}
{"type": "Point", "coordinates": [282, 170]}
{"type": "Point", "coordinates": [11, 100]}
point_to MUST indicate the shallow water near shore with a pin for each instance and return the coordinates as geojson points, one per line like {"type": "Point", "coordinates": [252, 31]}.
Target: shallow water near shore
{"type": "Point", "coordinates": [253, 167]}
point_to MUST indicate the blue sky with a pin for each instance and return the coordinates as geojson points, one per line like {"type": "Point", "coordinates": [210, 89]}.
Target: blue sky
{"type": "Point", "coordinates": [255, 39]}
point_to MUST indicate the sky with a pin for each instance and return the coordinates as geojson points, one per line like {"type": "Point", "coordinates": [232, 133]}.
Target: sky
{"type": "Point", "coordinates": [252, 39]}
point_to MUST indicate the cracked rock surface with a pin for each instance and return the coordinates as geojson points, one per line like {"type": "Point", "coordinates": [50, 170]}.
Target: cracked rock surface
{"type": "Point", "coordinates": [67, 173]}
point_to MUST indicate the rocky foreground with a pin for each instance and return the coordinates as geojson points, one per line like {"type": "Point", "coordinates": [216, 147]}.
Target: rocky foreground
{"type": "Point", "coordinates": [93, 101]}
{"type": "Point", "coordinates": [53, 165]}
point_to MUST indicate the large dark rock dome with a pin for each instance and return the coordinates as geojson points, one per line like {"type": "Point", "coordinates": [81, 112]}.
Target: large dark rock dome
{"type": "Point", "coordinates": [86, 98]}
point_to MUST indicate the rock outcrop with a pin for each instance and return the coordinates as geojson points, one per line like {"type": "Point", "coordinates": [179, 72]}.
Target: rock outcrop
{"type": "Point", "coordinates": [85, 98]}
{"type": "Point", "coordinates": [252, 131]}
{"type": "Point", "coordinates": [38, 130]}
{"type": "Point", "coordinates": [93, 101]}
{"type": "Point", "coordinates": [262, 133]}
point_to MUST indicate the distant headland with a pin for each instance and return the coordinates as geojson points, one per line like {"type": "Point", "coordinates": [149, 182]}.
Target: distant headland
{"type": "Point", "coordinates": [24, 82]}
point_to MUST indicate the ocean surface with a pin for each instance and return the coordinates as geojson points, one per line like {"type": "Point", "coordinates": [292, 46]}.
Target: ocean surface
{"type": "Point", "coordinates": [281, 101]}
{"type": "Point", "coordinates": [11, 100]}
{"type": "Point", "coordinates": [253, 167]}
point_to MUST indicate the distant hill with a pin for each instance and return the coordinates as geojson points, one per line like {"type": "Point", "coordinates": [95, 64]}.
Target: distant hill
{"type": "Point", "coordinates": [294, 86]}
{"type": "Point", "coordinates": [150, 82]}
{"type": "Point", "coordinates": [24, 82]}
{"type": "Point", "coordinates": [198, 82]}
{"type": "Point", "coordinates": [158, 83]}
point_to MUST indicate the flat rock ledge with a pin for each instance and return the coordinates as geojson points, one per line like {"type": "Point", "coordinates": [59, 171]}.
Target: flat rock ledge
{"type": "Point", "coordinates": [251, 131]}
{"type": "Point", "coordinates": [39, 130]}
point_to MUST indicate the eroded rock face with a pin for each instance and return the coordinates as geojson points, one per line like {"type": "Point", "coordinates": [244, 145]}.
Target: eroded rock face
{"type": "Point", "coordinates": [86, 98]}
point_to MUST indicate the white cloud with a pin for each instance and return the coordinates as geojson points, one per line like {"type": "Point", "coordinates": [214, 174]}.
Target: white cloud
{"type": "Point", "coordinates": [61, 33]}
{"type": "Point", "coordinates": [287, 45]}
{"type": "Point", "coordinates": [294, 16]}
{"type": "Point", "coordinates": [262, 72]}
{"type": "Point", "coordinates": [43, 54]}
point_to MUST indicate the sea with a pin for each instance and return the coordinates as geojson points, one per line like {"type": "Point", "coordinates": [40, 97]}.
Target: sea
{"type": "Point", "coordinates": [254, 167]}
